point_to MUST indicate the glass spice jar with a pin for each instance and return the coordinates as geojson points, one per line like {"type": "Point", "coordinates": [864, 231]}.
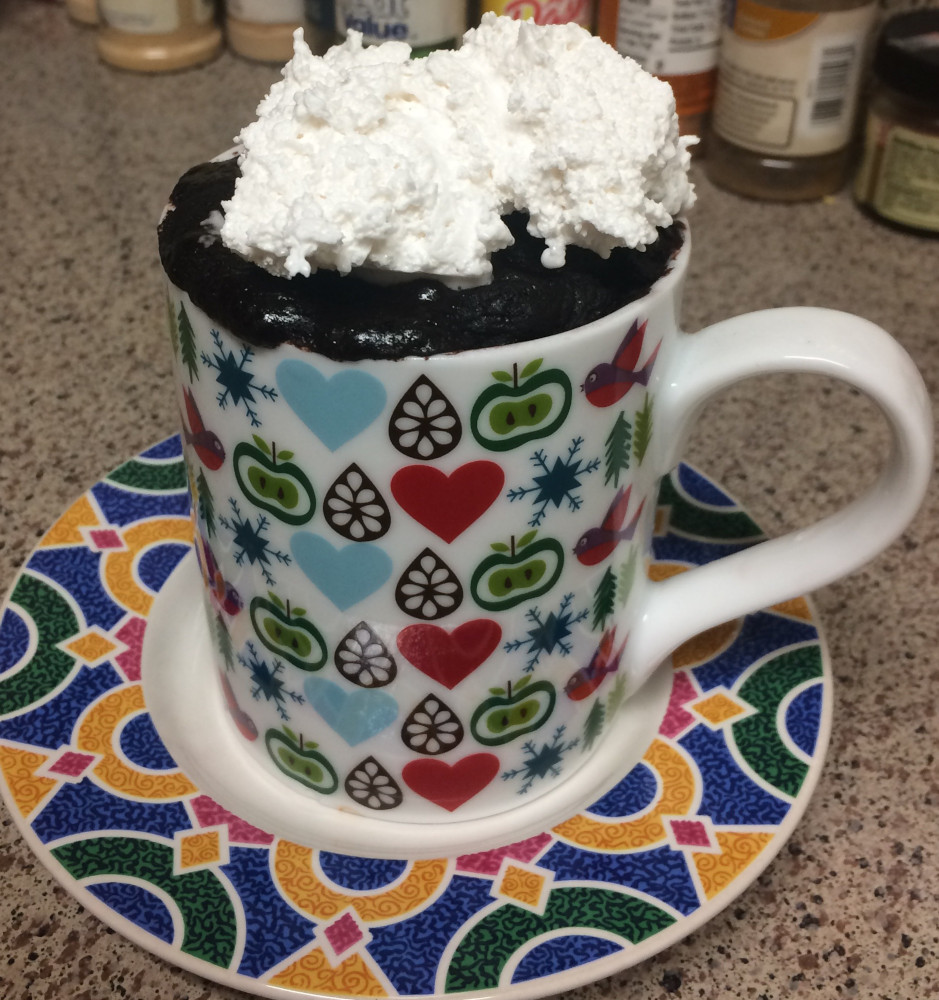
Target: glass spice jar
{"type": "Point", "coordinates": [154, 36]}
{"type": "Point", "coordinates": [899, 175]}
{"type": "Point", "coordinates": [263, 29]}
{"type": "Point", "coordinates": [83, 11]}
{"type": "Point", "coordinates": [788, 82]}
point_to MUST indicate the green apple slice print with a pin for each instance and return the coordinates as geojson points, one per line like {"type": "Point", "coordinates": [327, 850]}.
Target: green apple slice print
{"type": "Point", "coordinates": [512, 711]}
{"type": "Point", "coordinates": [287, 632]}
{"type": "Point", "coordinates": [300, 760]}
{"type": "Point", "coordinates": [272, 482]}
{"type": "Point", "coordinates": [517, 571]}
{"type": "Point", "coordinates": [521, 406]}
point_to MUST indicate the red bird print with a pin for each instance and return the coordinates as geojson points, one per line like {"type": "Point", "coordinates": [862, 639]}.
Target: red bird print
{"type": "Point", "coordinates": [242, 720]}
{"type": "Point", "coordinates": [223, 594]}
{"type": "Point", "coordinates": [609, 382]}
{"type": "Point", "coordinates": [206, 442]}
{"type": "Point", "coordinates": [595, 544]}
{"type": "Point", "coordinates": [604, 661]}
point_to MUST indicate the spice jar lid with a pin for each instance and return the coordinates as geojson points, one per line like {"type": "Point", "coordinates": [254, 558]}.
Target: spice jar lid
{"type": "Point", "coordinates": [907, 55]}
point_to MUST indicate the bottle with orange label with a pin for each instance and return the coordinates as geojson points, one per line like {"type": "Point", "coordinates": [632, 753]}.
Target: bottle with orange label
{"type": "Point", "coordinates": [788, 82]}
{"type": "Point", "coordinates": [677, 40]}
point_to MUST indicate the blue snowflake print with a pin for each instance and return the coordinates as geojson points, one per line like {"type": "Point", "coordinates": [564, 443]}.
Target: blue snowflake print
{"type": "Point", "coordinates": [548, 635]}
{"type": "Point", "coordinates": [267, 682]}
{"type": "Point", "coordinates": [250, 543]}
{"type": "Point", "coordinates": [557, 483]}
{"type": "Point", "coordinates": [543, 763]}
{"type": "Point", "coordinates": [236, 379]}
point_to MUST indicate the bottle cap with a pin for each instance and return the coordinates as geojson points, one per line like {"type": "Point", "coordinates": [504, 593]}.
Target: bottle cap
{"type": "Point", "coordinates": [907, 55]}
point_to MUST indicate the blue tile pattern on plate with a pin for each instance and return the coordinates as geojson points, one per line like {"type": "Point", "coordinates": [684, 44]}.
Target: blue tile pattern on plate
{"type": "Point", "coordinates": [636, 791]}
{"type": "Point", "coordinates": [427, 934]}
{"type": "Point", "coordinates": [155, 565]}
{"type": "Point", "coordinates": [359, 873]}
{"type": "Point", "coordinates": [691, 551]}
{"type": "Point", "coordinates": [14, 639]}
{"type": "Point", "coordinates": [659, 872]}
{"type": "Point", "coordinates": [138, 905]}
{"type": "Point", "coordinates": [803, 718]}
{"type": "Point", "coordinates": [122, 506]}
{"type": "Point", "coordinates": [169, 448]}
{"type": "Point", "coordinates": [561, 953]}
{"type": "Point", "coordinates": [142, 746]}
{"type": "Point", "coordinates": [732, 797]}
{"type": "Point", "coordinates": [83, 807]}
{"type": "Point", "coordinates": [76, 570]}
{"type": "Point", "coordinates": [50, 724]}
{"type": "Point", "coordinates": [273, 929]}
{"type": "Point", "coordinates": [702, 489]}
{"type": "Point", "coordinates": [760, 634]}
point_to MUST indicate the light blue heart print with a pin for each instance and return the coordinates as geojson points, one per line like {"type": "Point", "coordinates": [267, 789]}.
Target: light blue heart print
{"type": "Point", "coordinates": [347, 575]}
{"type": "Point", "coordinates": [336, 409]}
{"type": "Point", "coordinates": [354, 715]}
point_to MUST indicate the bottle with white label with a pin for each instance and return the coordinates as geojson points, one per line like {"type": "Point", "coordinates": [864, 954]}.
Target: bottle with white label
{"type": "Point", "coordinates": [675, 40]}
{"type": "Point", "coordinates": [263, 29]}
{"type": "Point", "coordinates": [789, 76]}
{"type": "Point", "coordinates": [424, 24]}
{"type": "Point", "coordinates": [154, 36]}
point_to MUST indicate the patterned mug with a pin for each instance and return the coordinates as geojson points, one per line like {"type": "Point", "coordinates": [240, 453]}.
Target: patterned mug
{"type": "Point", "coordinates": [426, 579]}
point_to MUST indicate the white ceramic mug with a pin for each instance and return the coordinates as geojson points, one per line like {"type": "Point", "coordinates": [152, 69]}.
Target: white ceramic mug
{"type": "Point", "coordinates": [424, 578]}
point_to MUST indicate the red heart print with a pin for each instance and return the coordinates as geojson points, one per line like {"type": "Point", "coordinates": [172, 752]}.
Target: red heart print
{"type": "Point", "coordinates": [450, 785]}
{"type": "Point", "coordinates": [447, 505]}
{"type": "Point", "coordinates": [449, 657]}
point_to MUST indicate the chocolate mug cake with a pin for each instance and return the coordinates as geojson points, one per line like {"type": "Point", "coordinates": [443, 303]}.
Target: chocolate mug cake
{"type": "Point", "coordinates": [346, 317]}
{"type": "Point", "coordinates": [430, 375]}
{"type": "Point", "coordinates": [413, 286]}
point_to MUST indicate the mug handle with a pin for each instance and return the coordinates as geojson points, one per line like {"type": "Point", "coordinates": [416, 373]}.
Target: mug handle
{"type": "Point", "coordinates": [801, 339]}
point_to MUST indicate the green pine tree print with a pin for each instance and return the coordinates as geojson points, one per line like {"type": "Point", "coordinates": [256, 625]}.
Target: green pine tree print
{"type": "Point", "coordinates": [618, 449]}
{"type": "Point", "coordinates": [626, 577]}
{"type": "Point", "coordinates": [174, 328]}
{"type": "Point", "coordinates": [604, 600]}
{"type": "Point", "coordinates": [223, 640]}
{"type": "Point", "coordinates": [187, 344]}
{"type": "Point", "coordinates": [643, 435]}
{"type": "Point", "coordinates": [593, 724]}
{"type": "Point", "coordinates": [206, 503]}
{"type": "Point", "coordinates": [616, 697]}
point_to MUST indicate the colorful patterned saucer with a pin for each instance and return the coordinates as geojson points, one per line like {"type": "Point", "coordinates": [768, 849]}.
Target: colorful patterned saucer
{"type": "Point", "coordinates": [106, 809]}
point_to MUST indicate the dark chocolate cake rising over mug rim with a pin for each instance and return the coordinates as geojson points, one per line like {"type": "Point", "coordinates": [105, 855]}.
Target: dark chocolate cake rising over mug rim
{"type": "Point", "coordinates": [347, 318]}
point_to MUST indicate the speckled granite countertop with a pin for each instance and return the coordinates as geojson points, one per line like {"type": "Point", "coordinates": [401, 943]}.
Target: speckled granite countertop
{"type": "Point", "coordinates": [850, 906]}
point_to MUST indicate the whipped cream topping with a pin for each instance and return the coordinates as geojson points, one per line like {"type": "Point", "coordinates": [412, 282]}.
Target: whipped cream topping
{"type": "Point", "coordinates": [365, 158]}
